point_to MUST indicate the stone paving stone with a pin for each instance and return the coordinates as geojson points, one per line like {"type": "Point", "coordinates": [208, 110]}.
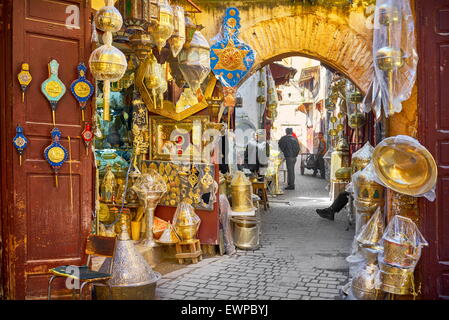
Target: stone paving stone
{"type": "Point", "coordinates": [327, 295]}
{"type": "Point", "coordinates": [327, 290]}
{"type": "Point", "coordinates": [316, 285]}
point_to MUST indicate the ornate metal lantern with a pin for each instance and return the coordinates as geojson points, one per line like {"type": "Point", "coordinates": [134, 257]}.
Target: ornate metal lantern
{"type": "Point", "coordinates": [107, 63]}
{"type": "Point", "coordinates": [141, 42]}
{"type": "Point", "coordinates": [186, 222]}
{"type": "Point", "coordinates": [178, 38]}
{"type": "Point", "coordinates": [137, 14]}
{"type": "Point", "coordinates": [194, 62]}
{"type": "Point", "coordinates": [163, 28]}
{"type": "Point", "coordinates": [153, 77]}
{"type": "Point", "coordinates": [361, 158]}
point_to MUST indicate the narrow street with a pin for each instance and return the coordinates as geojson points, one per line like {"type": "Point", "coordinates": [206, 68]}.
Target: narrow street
{"type": "Point", "coordinates": [302, 256]}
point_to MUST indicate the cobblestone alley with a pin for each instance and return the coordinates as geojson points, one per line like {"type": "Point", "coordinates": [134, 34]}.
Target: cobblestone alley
{"type": "Point", "coordinates": [302, 256]}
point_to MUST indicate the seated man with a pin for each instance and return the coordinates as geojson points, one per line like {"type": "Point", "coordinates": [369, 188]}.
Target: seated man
{"type": "Point", "coordinates": [339, 203]}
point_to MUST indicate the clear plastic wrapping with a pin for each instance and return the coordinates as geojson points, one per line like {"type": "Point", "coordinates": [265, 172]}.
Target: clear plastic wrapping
{"type": "Point", "coordinates": [194, 62]}
{"type": "Point", "coordinates": [370, 235]}
{"type": "Point", "coordinates": [169, 235]}
{"type": "Point", "coordinates": [225, 209]}
{"type": "Point", "coordinates": [402, 242]}
{"type": "Point", "coordinates": [368, 193]}
{"type": "Point", "coordinates": [395, 55]}
{"type": "Point", "coordinates": [186, 221]}
{"type": "Point", "coordinates": [402, 164]}
{"type": "Point", "coordinates": [364, 153]}
{"type": "Point", "coordinates": [365, 285]}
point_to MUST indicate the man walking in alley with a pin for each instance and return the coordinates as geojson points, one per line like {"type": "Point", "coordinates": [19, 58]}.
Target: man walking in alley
{"type": "Point", "coordinates": [319, 158]}
{"type": "Point", "coordinates": [290, 148]}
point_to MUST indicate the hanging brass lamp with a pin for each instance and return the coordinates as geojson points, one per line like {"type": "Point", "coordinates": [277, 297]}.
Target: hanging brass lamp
{"type": "Point", "coordinates": [163, 29]}
{"type": "Point", "coordinates": [137, 14]}
{"type": "Point", "coordinates": [141, 43]}
{"type": "Point", "coordinates": [153, 76]}
{"type": "Point", "coordinates": [194, 62]}
{"type": "Point", "coordinates": [107, 63]}
{"type": "Point", "coordinates": [178, 38]}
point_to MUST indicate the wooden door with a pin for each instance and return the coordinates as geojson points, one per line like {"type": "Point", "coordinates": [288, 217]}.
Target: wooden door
{"type": "Point", "coordinates": [433, 84]}
{"type": "Point", "coordinates": [40, 226]}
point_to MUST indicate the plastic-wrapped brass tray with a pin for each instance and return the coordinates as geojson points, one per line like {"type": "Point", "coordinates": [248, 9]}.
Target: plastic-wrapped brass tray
{"type": "Point", "coordinates": [405, 166]}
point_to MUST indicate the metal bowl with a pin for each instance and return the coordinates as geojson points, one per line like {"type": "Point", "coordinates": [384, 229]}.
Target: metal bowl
{"type": "Point", "coordinates": [405, 167]}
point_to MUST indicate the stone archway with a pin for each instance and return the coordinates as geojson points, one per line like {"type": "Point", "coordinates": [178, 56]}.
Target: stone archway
{"type": "Point", "coordinates": [328, 40]}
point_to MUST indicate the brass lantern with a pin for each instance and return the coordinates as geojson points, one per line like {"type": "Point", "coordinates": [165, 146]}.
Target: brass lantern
{"type": "Point", "coordinates": [186, 222]}
{"type": "Point", "coordinates": [137, 14]}
{"type": "Point", "coordinates": [362, 157]}
{"type": "Point", "coordinates": [163, 29]}
{"type": "Point", "coordinates": [356, 120]}
{"type": "Point", "coordinates": [178, 38]}
{"type": "Point", "coordinates": [107, 63]}
{"type": "Point", "coordinates": [241, 189]}
{"type": "Point", "coordinates": [194, 62]}
{"type": "Point", "coordinates": [368, 195]}
{"type": "Point", "coordinates": [108, 18]}
{"type": "Point", "coordinates": [153, 76]}
{"type": "Point", "coordinates": [339, 157]}
{"type": "Point", "coordinates": [141, 43]}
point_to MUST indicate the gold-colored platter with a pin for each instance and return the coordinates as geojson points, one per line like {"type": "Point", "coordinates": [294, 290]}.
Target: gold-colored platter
{"type": "Point", "coordinates": [404, 166]}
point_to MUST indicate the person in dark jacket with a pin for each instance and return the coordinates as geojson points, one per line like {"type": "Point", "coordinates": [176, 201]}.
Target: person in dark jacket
{"type": "Point", "coordinates": [289, 146]}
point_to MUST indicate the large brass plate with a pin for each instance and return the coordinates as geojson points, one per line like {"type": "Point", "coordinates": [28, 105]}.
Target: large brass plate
{"type": "Point", "coordinates": [405, 167]}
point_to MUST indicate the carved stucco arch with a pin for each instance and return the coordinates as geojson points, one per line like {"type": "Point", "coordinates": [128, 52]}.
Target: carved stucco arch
{"type": "Point", "coordinates": [330, 40]}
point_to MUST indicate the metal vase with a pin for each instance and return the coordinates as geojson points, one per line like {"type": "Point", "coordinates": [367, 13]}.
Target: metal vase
{"type": "Point", "coordinates": [150, 203]}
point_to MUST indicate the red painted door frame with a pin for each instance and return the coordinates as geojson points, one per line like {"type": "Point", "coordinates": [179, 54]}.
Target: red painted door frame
{"type": "Point", "coordinates": [433, 108]}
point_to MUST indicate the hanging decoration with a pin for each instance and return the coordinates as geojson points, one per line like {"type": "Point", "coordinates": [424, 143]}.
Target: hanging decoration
{"type": "Point", "coordinates": [231, 58]}
{"type": "Point", "coordinates": [82, 89]}
{"type": "Point", "coordinates": [194, 62]}
{"type": "Point", "coordinates": [25, 78]}
{"type": "Point", "coordinates": [356, 119]}
{"type": "Point", "coordinates": [53, 88]}
{"type": "Point", "coordinates": [395, 56]}
{"type": "Point", "coordinates": [20, 142]}
{"type": "Point", "coordinates": [153, 76]}
{"type": "Point", "coordinates": [55, 153]}
{"type": "Point", "coordinates": [163, 29]}
{"type": "Point", "coordinates": [178, 38]}
{"type": "Point", "coordinates": [87, 135]}
{"type": "Point", "coordinates": [107, 63]}
{"type": "Point", "coordinates": [164, 85]}
{"type": "Point", "coordinates": [137, 14]}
